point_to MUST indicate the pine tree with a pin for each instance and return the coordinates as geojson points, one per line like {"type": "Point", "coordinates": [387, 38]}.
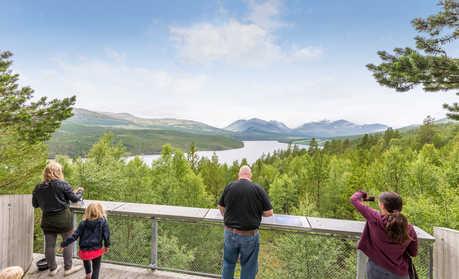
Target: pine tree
{"type": "Point", "coordinates": [24, 127]}
{"type": "Point", "coordinates": [34, 121]}
{"type": "Point", "coordinates": [429, 64]}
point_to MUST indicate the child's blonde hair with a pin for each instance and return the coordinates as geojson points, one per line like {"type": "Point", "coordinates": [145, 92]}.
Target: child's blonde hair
{"type": "Point", "coordinates": [53, 171]}
{"type": "Point", "coordinates": [13, 272]}
{"type": "Point", "coordinates": [94, 211]}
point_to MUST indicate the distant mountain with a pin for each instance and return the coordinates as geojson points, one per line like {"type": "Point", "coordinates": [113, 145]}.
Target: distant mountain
{"type": "Point", "coordinates": [255, 128]}
{"type": "Point", "coordinates": [256, 124]}
{"type": "Point", "coordinates": [129, 121]}
{"type": "Point", "coordinates": [328, 129]}
{"type": "Point", "coordinates": [139, 135]}
{"type": "Point", "coordinates": [146, 135]}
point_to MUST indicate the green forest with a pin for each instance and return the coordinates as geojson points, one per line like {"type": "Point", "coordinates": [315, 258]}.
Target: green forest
{"type": "Point", "coordinates": [421, 164]}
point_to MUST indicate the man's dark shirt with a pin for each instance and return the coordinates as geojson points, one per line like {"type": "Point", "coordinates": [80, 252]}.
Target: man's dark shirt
{"type": "Point", "coordinates": [244, 203]}
{"type": "Point", "coordinates": [54, 196]}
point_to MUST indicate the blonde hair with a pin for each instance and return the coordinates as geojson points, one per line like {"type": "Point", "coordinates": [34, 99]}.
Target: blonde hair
{"type": "Point", "coordinates": [94, 211]}
{"type": "Point", "coordinates": [13, 272]}
{"type": "Point", "coordinates": [53, 171]}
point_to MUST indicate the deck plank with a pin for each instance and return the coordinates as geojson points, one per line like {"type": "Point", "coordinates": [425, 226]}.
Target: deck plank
{"type": "Point", "coordinates": [108, 271]}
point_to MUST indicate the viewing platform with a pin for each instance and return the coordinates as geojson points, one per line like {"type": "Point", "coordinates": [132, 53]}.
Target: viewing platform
{"type": "Point", "coordinates": [162, 241]}
{"type": "Point", "coordinates": [109, 271]}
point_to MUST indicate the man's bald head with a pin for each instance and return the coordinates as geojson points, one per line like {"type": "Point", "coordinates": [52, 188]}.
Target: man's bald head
{"type": "Point", "coordinates": [245, 172]}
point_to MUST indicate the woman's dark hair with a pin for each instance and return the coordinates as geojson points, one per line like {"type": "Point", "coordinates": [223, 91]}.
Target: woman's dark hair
{"type": "Point", "coordinates": [397, 224]}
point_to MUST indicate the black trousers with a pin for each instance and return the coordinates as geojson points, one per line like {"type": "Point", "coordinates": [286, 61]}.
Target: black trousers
{"type": "Point", "coordinates": [95, 267]}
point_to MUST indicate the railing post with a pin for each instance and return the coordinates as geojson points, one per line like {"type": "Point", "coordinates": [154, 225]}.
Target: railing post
{"type": "Point", "coordinates": [430, 272]}
{"type": "Point", "coordinates": [75, 225]}
{"type": "Point", "coordinates": [154, 243]}
{"type": "Point", "coordinates": [362, 260]}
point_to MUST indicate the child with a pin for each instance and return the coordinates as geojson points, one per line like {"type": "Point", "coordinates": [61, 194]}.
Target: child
{"type": "Point", "coordinates": [92, 231]}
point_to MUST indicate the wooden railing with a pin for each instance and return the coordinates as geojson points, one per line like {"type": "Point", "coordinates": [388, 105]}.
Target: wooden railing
{"type": "Point", "coordinates": [446, 253]}
{"type": "Point", "coordinates": [341, 230]}
{"type": "Point", "coordinates": [16, 230]}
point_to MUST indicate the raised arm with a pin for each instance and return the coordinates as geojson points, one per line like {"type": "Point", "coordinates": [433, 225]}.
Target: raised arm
{"type": "Point", "coordinates": [70, 195]}
{"type": "Point", "coordinates": [367, 212]}
{"type": "Point", "coordinates": [412, 248]}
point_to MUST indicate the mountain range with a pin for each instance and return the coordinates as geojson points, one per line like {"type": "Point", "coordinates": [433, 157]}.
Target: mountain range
{"type": "Point", "coordinates": [146, 136]}
{"type": "Point", "coordinates": [321, 129]}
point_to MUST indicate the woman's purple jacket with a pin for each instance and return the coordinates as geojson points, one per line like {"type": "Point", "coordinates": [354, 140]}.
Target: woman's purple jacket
{"type": "Point", "coordinates": [375, 242]}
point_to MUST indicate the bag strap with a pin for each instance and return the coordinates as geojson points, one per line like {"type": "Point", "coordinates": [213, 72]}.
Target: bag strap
{"type": "Point", "coordinates": [412, 269]}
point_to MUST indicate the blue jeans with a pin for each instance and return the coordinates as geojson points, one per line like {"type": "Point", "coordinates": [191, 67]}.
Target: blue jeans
{"type": "Point", "coordinates": [374, 271]}
{"type": "Point", "coordinates": [246, 249]}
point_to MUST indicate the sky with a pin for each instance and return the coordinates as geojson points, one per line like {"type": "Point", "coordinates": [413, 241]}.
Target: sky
{"type": "Point", "coordinates": [219, 61]}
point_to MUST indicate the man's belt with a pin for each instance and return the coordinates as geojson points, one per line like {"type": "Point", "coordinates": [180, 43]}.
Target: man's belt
{"type": "Point", "coordinates": [241, 232]}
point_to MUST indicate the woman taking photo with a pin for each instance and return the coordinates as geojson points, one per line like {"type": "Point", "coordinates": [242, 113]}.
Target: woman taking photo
{"type": "Point", "coordinates": [53, 196]}
{"type": "Point", "coordinates": [387, 239]}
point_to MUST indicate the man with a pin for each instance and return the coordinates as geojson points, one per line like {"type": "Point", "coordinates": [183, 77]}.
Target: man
{"type": "Point", "coordinates": [242, 204]}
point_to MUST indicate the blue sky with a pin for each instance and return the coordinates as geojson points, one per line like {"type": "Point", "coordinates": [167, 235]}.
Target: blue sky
{"type": "Point", "coordinates": [219, 61]}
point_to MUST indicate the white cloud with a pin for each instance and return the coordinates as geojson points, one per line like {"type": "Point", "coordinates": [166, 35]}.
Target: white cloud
{"type": "Point", "coordinates": [306, 53]}
{"type": "Point", "coordinates": [232, 42]}
{"type": "Point", "coordinates": [237, 42]}
{"type": "Point", "coordinates": [115, 55]}
{"type": "Point", "coordinates": [111, 85]}
{"type": "Point", "coordinates": [265, 14]}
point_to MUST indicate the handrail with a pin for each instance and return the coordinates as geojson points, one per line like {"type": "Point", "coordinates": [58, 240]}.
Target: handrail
{"type": "Point", "coordinates": [297, 224]}
{"type": "Point", "coordinates": [278, 221]}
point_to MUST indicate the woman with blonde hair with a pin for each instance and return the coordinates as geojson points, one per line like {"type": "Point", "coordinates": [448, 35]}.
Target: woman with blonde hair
{"type": "Point", "coordinates": [94, 235]}
{"type": "Point", "coordinates": [53, 196]}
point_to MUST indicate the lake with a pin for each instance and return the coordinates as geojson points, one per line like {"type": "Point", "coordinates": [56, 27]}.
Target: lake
{"type": "Point", "coordinates": [252, 150]}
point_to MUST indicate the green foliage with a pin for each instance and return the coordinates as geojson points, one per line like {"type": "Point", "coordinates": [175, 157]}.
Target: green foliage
{"type": "Point", "coordinates": [34, 121]}
{"type": "Point", "coordinates": [24, 125]}
{"type": "Point", "coordinates": [213, 175]}
{"type": "Point", "coordinates": [421, 164]}
{"type": "Point", "coordinates": [284, 194]}
{"type": "Point", "coordinates": [429, 65]}
{"type": "Point", "coordinates": [174, 254]}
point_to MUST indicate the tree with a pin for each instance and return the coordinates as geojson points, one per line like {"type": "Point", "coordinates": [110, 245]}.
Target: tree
{"type": "Point", "coordinates": [213, 176]}
{"type": "Point", "coordinates": [427, 133]}
{"type": "Point", "coordinates": [106, 149]}
{"type": "Point", "coordinates": [192, 156]}
{"type": "Point", "coordinates": [35, 121]}
{"type": "Point", "coordinates": [429, 64]}
{"type": "Point", "coordinates": [24, 126]}
{"type": "Point", "coordinates": [390, 134]}
{"type": "Point", "coordinates": [318, 173]}
{"type": "Point", "coordinates": [284, 194]}
{"type": "Point", "coordinates": [313, 146]}
{"type": "Point", "coordinates": [176, 183]}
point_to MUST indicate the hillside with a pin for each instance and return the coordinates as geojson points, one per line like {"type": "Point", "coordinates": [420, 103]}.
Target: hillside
{"type": "Point", "coordinates": [75, 140]}
{"type": "Point", "coordinates": [126, 120]}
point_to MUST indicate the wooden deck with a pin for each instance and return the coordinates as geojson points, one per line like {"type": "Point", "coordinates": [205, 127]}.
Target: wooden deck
{"type": "Point", "coordinates": [108, 271]}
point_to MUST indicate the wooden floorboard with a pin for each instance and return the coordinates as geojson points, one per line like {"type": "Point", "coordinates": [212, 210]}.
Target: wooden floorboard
{"type": "Point", "coordinates": [108, 271]}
